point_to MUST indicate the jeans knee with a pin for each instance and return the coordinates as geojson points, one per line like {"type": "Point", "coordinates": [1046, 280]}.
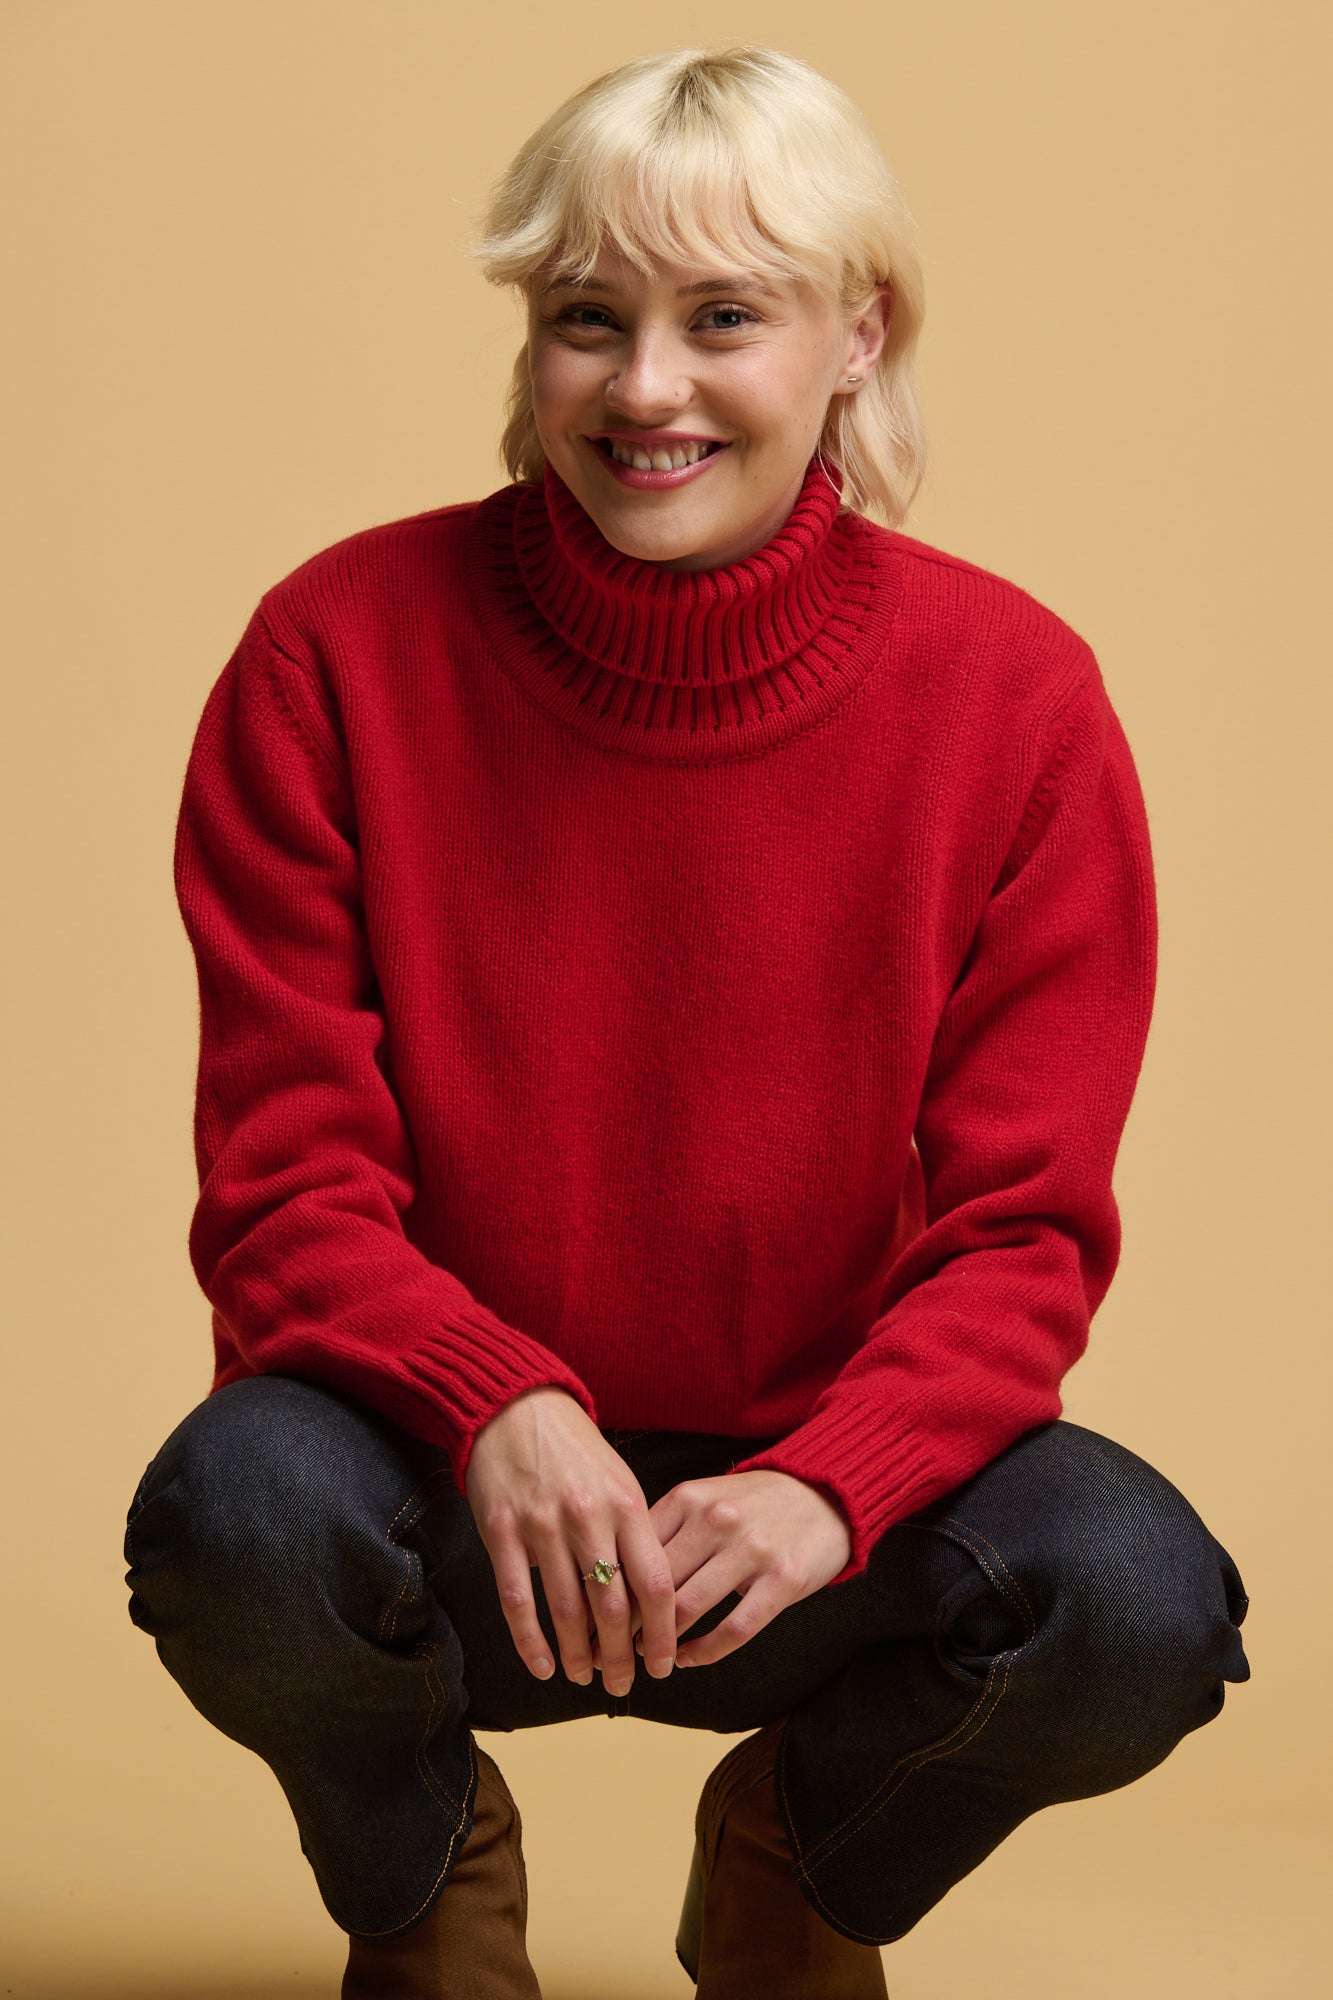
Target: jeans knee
{"type": "Point", "coordinates": [243, 1496]}
{"type": "Point", "coordinates": [1159, 1629]}
{"type": "Point", "coordinates": [1145, 1607]}
{"type": "Point", "coordinates": [272, 1561]}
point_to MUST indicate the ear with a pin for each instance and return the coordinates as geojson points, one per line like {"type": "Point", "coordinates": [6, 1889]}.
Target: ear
{"type": "Point", "coordinates": [865, 343]}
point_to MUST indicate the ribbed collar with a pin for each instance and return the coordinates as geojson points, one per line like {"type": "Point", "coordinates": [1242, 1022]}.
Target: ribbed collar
{"type": "Point", "coordinates": [693, 664]}
{"type": "Point", "coordinates": [686, 627]}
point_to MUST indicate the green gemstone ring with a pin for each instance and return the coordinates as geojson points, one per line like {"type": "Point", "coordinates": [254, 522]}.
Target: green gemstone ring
{"type": "Point", "coordinates": [601, 1572]}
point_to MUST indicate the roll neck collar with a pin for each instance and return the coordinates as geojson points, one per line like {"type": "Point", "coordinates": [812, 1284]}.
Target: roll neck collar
{"type": "Point", "coordinates": [694, 664]}
{"type": "Point", "coordinates": [683, 627]}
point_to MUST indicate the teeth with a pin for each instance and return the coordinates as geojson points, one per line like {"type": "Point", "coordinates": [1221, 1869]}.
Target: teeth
{"type": "Point", "coordinates": [660, 459]}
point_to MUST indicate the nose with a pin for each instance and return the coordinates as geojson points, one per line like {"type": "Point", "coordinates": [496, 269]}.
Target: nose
{"type": "Point", "coordinates": [649, 383]}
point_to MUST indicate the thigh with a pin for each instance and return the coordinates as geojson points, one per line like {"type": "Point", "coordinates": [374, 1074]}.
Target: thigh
{"type": "Point", "coordinates": [1071, 1524]}
{"type": "Point", "coordinates": [281, 1507]}
{"type": "Point", "coordinates": [1066, 1549]}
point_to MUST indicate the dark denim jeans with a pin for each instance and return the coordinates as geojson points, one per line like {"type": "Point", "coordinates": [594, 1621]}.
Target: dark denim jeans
{"type": "Point", "coordinates": [316, 1584]}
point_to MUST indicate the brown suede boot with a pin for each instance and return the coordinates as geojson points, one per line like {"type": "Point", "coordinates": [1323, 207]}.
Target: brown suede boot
{"type": "Point", "coordinates": [746, 1929]}
{"type": "Point", "coordinates": [471, 1944]}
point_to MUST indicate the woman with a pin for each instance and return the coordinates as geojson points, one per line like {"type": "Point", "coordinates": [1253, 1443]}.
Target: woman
{"type": "Point", "coordinates": [675, 958]}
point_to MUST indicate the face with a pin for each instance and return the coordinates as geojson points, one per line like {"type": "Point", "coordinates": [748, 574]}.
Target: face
{"type": "Point", "coordinates": [690, 357]}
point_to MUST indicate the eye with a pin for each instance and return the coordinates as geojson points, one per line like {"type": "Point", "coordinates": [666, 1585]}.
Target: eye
{"type": "Point", "coordinates": [570, 311]}
{"type": "Point", "coordinates": [742, 313]}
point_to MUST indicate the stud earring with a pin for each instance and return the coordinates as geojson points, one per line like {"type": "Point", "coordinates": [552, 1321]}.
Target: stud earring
{"type": "Point", "coordinates": [853, 378]}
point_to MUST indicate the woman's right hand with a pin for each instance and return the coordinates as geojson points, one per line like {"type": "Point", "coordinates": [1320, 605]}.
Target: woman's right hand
{"type": "Point", "coordinates": [548, 1492]}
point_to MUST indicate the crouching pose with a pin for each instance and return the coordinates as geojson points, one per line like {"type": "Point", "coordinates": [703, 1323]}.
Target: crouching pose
{"type": "Point", "coordinates": [675, 958]}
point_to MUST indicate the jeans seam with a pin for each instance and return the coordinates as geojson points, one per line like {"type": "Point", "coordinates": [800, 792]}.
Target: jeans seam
{"type": "Point", "coordinates": [1007, 1584]}
{"type": "Point", "coordinates": [942, 1747]}
{"type": "Point", "coordinates": [409, 1590]}
{"type": "Point", "coordinates": [454, 1837]}
{"type": "Point", "coordinates": [412, 1588]}
{"type": "Point", "coordinates": [430, 1777]}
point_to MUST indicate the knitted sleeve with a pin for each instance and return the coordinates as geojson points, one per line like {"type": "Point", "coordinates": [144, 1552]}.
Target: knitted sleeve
{"type": "Point", "coordinates": [306, 1168]}
{"type": "Point", "coordinates": [1032, 1070]}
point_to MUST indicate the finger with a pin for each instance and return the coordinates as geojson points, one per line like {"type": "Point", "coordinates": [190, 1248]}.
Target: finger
{"type": "Point", "coordinates": [687, 1534]}
{"type": "Point", "coordinates": [653, 1590]}
{"type": "Point", "coordinates": [758, 1606]}
{"type": "Point", "coordinates": [668, 1515]}
{"type": "Point", "coordinates": [611, 1610]}
{"type": "Point", "coordinates": [513, 1581]}
{"type": "Point", "coordinates": [715, 1578]}
{"type": "Point", "coordinates": [727, 1571]}
{"type": "Point", "coordinates": [568, 1608]}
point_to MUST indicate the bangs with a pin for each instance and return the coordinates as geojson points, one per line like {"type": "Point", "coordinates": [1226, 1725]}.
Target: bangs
{"type": "Point", "coordinates": [685, 175]}
{"type": "Point", "coordinates": [661, 205]}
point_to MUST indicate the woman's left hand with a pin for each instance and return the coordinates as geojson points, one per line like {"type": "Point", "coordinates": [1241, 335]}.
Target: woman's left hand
{"type": "Point", "coordinates": [767, 1534]}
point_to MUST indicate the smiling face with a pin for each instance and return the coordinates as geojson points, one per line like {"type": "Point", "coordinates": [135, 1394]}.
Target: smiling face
{"type": "Point", "coordinates": [625, 366]}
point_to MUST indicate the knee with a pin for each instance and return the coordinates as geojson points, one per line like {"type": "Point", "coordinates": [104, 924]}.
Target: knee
{"type": "Point", "coordinates": [1143, 1604]}
{"type": "Point", "coordinates": [245, 1489]}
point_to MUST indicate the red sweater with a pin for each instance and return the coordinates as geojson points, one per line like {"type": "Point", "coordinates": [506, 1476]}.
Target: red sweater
{"type": "Point", "coordinates": [583, 945]}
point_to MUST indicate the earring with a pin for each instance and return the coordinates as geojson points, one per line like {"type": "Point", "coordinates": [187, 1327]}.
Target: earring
{"type": "Point", "coordinates": [853, 378]}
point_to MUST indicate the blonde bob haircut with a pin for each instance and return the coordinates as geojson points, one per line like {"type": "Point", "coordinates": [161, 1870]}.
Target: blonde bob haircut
{"type": "Point", "coordinates": [745, 152]}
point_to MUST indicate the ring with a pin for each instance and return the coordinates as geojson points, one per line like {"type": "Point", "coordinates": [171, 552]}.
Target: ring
{"type": "Point", "coordinates": [601, 1572]}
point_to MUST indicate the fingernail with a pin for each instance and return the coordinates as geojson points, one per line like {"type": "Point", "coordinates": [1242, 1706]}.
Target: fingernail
{"type": "Point", "coordinates": [584, 1680]}
{"type": "Point", "coordinates": [661, 1668]}
{"type": "Point", "coordinates": [543, 1667]}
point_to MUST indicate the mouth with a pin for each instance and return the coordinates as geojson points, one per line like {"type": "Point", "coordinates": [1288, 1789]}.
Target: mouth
{"type": "Point", "coordinates": [650, 467]}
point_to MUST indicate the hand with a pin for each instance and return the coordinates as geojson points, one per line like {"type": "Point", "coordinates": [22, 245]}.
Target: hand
{"type": "Point", "coordinates": [767, 1534]}
{"type": "Point", "coordinates": [548, 1492]}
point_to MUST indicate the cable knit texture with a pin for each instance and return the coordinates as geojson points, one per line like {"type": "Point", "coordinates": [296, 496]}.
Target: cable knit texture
{"type": "Point", "coordinates": [718, 994]}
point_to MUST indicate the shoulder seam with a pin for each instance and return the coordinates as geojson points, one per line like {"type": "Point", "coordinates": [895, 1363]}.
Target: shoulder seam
{"type": "Point", "coordinates": [1065, 724]}
{"type": "Point", "coordinates": [321, 749]}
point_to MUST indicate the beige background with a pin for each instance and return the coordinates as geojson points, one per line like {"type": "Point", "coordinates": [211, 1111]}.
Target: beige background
{"type": "Point", "coordinates": [241, 325]}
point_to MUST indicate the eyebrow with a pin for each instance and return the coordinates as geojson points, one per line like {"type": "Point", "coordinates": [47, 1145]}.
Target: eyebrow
{"type": "Point", "coordinates": [736, 282]}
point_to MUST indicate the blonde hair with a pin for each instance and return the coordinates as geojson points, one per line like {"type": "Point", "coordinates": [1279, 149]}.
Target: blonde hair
{"type": "Point", "coordinates": [675, 157]}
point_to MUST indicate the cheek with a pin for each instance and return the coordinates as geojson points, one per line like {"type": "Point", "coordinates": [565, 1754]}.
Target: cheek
{"type": "Point", "coordinates": [560, 381]}
{"type": "Point", "coordinates": [779, 400]}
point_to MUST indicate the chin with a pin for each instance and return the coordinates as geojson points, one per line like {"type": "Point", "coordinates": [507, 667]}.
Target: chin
{"type": "Point", "coordinates": [647, 544]}
{"type": "Point", "coordinates": [659, 548]}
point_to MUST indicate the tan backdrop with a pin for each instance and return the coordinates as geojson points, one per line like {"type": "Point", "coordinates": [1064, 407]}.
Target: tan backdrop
{"type": "Point", "coordinates": [242, 325]}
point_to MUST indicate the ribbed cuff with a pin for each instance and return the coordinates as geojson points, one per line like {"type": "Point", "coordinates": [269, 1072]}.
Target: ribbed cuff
{"type": "Point", "coordinates": [464, 1375]}
{"type": "Point", "coordinates": [450, 1382]}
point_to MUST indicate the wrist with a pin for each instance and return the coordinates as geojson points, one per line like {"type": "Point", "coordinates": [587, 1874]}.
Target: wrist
{"type": "Point", "coordinates": [540, 1392]}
